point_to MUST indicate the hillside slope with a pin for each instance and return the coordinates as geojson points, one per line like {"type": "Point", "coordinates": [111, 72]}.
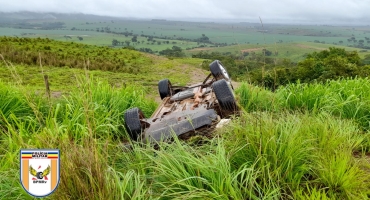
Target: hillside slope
{"type": "Point", "coordinates": [62, 61]}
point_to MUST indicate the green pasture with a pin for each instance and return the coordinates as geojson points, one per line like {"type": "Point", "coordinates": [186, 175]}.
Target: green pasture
{"type": "Point", "coordinates": [294, 51]}
{"type": "Point", "coordinates": [233, 33]}
{"type": "Point", "coordinates": [96, 38]}
{"type": "Point", "coordinates": [63, 79]}
{"type": "Point", "coordinates": [230, 33]}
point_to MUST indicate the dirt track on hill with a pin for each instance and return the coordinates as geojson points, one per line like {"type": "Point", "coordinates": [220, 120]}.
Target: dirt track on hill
{"type": "Point", "coordinates": [197, 75]}
{"type": "Point", "coordinates": [201, 49]}
{"type": "Point", "coordinates": [309, 47]}
{"type": "Point", "coordinates": [251, 49]}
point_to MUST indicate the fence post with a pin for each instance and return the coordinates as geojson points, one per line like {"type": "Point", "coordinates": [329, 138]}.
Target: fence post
{"type": "Point", "coordinates": [46, 79]}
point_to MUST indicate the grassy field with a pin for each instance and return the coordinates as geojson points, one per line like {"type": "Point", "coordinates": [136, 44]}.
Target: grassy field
{"type": "Point", "coordinates": [243, 33]}
{"type": "Point", "coordinates": [63, 61]}
{"type": "Point", "coordinates": [230, 32]}
{"type": "Point", "coordinates": [295, 51]}
{"type": "Point", "coordinates": [302, 142]}
{"type": "Point", "coordinates": [62, 78]}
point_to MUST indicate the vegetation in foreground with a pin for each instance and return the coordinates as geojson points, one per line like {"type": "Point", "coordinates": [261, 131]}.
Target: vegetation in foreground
{"type": "Point", "coordinates": [301, 142]}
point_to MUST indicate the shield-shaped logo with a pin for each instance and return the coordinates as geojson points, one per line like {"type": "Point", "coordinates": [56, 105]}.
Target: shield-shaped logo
{"type": "Point", "coordinates": [39, 171]}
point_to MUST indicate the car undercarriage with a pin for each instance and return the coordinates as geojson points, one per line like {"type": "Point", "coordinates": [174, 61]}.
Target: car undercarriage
{"type": "Point", "coordinates": [184, 109]}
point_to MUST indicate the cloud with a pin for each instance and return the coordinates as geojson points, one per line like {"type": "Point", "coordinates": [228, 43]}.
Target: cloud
{"type": "Point", "coordinates": [268, 10]}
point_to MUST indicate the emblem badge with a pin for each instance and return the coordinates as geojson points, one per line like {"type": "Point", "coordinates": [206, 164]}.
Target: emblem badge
{"type": "Point", "coordinates": [39, 171]}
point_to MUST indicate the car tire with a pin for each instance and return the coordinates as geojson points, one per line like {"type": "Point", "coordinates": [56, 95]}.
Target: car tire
{"type": "Point", "coordinates": [133, 125]}
{"type": "Point", "coordinates": [218, 71]}
{"type": "Point", "coordinates": [224, 96]}
{"type": "Point", "coordinates": [165, 88]}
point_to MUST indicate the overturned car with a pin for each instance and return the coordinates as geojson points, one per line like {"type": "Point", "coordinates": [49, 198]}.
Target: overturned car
{"type": "Point", "coordinates": [185, 109]}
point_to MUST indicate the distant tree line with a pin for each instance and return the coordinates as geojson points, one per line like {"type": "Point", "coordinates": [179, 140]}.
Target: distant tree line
{"type": "Point", "coordinates": [320, 66]}
{"type": "Point", "coordinates": [40, 26]}
{"type": "Point", "coordinates": [175, 51]}
{"type": "Point", "coordinates": [271, 72]}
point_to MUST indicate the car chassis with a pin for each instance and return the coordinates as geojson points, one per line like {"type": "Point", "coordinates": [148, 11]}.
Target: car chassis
{"type": "Point", "coordinates": [184, 109]}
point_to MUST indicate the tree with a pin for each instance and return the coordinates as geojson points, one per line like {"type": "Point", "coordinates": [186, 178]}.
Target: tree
{"type": "Point", "coordinates": [366, 60]}
{"type": "Point", "coordinates": [329, 64]}
{"type": "Point", "coordinates": [266, 52]}
{"type": "Point", "coordinates": [127, 42]}
{"type": "Point", "coordinates": [320, 66]}
{"type": "Point", "coordinates": [114, 42]}
{"type": "Point", "coordinates": [174, 52]}
{"type": "Point", "coordinates": [203, 39]}
{"type": "Point", "coordinates": [134, 39]}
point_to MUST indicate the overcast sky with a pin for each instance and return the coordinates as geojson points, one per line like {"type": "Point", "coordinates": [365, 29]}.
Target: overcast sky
{"type": "Point", "coordinates": [273, 11]}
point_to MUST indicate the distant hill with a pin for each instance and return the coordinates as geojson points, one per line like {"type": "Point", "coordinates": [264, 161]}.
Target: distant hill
{"type": "Point", "coordinates": [26, 15]}
{"type": "Point", "coordinates": [49, 16]}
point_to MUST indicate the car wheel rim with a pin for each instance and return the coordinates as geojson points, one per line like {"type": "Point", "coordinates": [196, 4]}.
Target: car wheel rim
{"type": "Point", "coordinates": [224, 72]}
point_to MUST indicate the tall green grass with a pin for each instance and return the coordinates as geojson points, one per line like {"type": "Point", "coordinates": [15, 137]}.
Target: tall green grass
{"type": "Point", "coordinates": [346, 98]}
{"type": "Point", "coordinates": [294, 150]}
{"type": "Point", "coordinates": [287, 147]}
{"type": "Point", "coordinates": [254, 98]}
{"type": "Point", "coordinates": [100, 106]}
{"type": "Point", "coordinates": [12, 102]}
{"type": "Point", "coordinates": [92, 114]}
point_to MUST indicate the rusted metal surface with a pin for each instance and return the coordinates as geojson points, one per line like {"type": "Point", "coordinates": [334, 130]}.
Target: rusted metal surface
{"type": "Point", "coordinates": [205, 80]}
{"type": "Point", "coordinates": [190, 110]}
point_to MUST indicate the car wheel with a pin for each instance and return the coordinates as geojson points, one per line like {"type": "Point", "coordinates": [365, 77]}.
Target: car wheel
{"type": "Point", "coordinates": [218, 71]}
{"type": "Point", "coordinates": [165, 88]}
{"type": "Point", "coordinates": [224, 96]}
{"type": "Point", "coordinates": [133, 125]}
